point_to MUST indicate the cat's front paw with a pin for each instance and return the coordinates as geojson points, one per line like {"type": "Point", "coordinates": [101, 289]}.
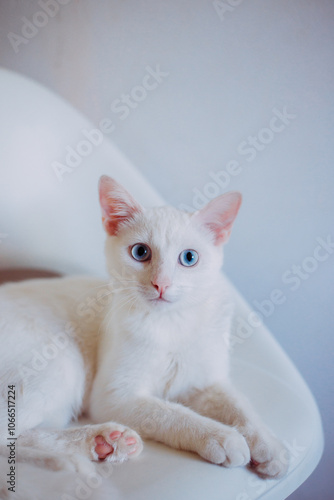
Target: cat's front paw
{"type": "Point", "coordinates": [114, 443]}
{"type": "Point", "coordinates": [269, 457]}
{"type": "Point", "coordinates": [226, 447]}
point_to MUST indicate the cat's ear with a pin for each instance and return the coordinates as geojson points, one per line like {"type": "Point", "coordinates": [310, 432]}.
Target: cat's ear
{"type": "Point", "coordinates": [117, 205]}
{"type": "Point", "coordinates": [219, 214]}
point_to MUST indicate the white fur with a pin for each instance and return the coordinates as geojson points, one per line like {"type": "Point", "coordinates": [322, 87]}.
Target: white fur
{"type": "Point", "coordinates": [157, 366]}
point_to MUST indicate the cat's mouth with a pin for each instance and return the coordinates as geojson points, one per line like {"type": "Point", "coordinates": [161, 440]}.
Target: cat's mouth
{"type": "Point", "coordinates": [160, 299]}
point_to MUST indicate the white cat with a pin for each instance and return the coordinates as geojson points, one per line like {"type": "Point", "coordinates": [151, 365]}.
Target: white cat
{"type": "Point", "coordinates": [149, 349]}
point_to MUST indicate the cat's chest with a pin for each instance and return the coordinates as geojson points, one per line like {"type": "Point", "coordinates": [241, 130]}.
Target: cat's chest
{"type": "Point", "coordinates": [168, 357]}
{"type": "Point", "coordinates": [174, 372]}
{"type": "Point", "coordinates": [175, 366]}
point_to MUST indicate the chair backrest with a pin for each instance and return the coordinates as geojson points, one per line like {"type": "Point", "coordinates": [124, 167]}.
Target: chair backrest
{"type": "Point", "coordinates": [51, 158]}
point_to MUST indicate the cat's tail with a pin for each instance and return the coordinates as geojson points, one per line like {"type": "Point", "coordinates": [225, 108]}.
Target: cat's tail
{"type": "Point", "coordinates": [33, 483]}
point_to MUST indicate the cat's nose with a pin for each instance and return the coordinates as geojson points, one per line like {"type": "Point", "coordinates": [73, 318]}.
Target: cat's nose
{"type": "Point", "coordinates": [161, 286]}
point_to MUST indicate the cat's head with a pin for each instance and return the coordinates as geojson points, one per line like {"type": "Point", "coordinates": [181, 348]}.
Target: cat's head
{"type": "Point", "coordinates": [164, 257]}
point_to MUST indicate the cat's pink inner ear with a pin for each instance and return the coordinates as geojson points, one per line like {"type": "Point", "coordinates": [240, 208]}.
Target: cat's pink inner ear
{"type": "Point", "coordinates": [117, 205]}
{"type": "Point", "coordinates": [219, 215]}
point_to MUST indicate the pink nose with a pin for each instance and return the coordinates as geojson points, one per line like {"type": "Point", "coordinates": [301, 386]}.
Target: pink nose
{"type": "Point", "coordinates": [161, 286]}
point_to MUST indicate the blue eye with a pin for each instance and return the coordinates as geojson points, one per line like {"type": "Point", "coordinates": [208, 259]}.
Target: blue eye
{"type": "Point", "coordinates": [141, 252]}
{"type": "Point", "coordinates": [188, 258]}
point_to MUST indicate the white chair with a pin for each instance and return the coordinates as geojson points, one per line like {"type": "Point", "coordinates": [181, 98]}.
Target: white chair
{"type": "Point", "coordinates": [55, 224]}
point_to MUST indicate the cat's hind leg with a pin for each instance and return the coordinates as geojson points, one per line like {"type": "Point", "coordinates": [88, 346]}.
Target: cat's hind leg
{"type": "Point", "coordinates": [41, 406]}
{"type": "Point", "coordinates": [110, 441]}
{"type": "Point", "coordinates": [48, 383]}
{"type": "Point", "coordinates": [49, 459]}
{"type": "Point", "coordinates": [71, 448]}
{"type": "Point", "coordinates": [75, 449]}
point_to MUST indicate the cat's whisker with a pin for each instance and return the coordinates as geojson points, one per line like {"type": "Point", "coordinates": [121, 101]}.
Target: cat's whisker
{"type": "Point", "coordinates": [125, 291]}
{"type": "Point", "coordinates": [135, 300]}
{"type": "Point", "coordinates": [109, 291]}
{"type": "Point", "coordinates": [129, 305]}
{"type": "Point", "coordinates": [125, 301]}
{"type": "Point", "coordinates": [122, 280]}
{"type": "Point", "coordinates": [112, 285]}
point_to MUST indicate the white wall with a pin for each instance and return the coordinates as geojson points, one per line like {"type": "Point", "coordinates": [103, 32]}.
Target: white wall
{"type": "Point", "coordinates": [228, 76]}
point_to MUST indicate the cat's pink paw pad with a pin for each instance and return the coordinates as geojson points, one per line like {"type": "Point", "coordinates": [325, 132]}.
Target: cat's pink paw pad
{"type": "Point", "coordinates": [115, 435]}
{"type": "Point", "coordinates": [102, 448]}
{"type": "Point", "coordinates": [132, 443]}
{"type": "Point", "coordinates": [117, 446]}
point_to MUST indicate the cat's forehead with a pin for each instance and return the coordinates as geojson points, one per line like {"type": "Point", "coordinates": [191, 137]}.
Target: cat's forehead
{"type": "Point", "coordinates": [162, 226]}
